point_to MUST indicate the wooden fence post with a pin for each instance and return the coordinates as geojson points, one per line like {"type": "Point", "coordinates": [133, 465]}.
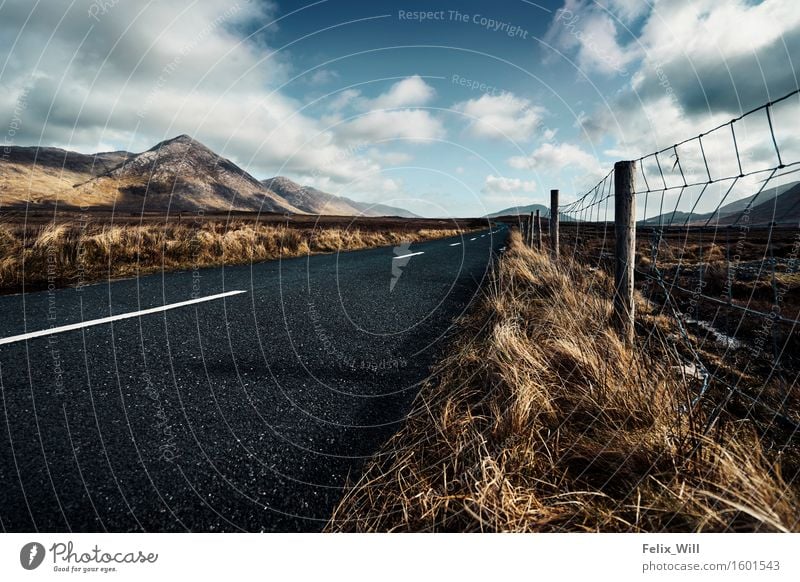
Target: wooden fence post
{"type": "Point", "coordinates": [538, 224]}
{"type": "Point", "coordinates": [554, 223]}
{"type": "Point", "coordinates": [531, 230]}
{"type": "Point", "coordinates": [625, 247]}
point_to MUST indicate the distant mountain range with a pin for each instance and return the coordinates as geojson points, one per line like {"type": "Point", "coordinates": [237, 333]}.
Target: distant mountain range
{"type": "Point", "coordinates": [179, 174]}
{"type": "Point", "coordinates": [544, 212]}
{"type": "Point", "coordinates": [315, 201]}
{"type": "Point", "coordinates": [780, 204]}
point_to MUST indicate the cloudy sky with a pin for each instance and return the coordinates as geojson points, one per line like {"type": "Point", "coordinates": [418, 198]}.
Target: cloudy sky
{"type": "Point", "coordinates": [480, 106]}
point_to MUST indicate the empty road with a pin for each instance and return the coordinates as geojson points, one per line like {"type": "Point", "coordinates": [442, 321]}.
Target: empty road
{"type": "Point", "coordinates": [230, 399]}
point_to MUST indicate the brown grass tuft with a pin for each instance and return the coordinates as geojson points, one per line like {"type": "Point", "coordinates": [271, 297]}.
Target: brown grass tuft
{"type": "Point", "coordinates": [78, 253]}
{"type": "Point", "coordinates": [540, 419]}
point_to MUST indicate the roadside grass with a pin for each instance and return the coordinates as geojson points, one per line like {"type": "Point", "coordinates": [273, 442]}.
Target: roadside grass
{"type": "Point", "coordinates": [72, 253]}
{"type": "Point", "coordinates": [540, 420]}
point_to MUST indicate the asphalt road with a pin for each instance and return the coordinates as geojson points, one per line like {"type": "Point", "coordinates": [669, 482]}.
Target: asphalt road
{"type": "Point", "coordinates": [241, 412]}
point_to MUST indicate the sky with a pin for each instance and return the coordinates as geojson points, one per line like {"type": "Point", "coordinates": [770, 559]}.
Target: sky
{"type": "Point", "coordinates": [446, 108]}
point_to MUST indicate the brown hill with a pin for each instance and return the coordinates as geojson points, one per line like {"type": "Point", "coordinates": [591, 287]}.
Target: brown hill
{"type": "Point", "coordinates": [42, 175]}
{"type": "Point", "coordinates": [315, 201]}
{"type": "Point", "coordinates": [179, 174]}
{"type": "Point", "coordinates": [309, 199]}
{"type": "Point", "coordinates": [182, 174]}
{"type": "Point", "coordinates": [783, 201]}
{"type": "Point", "coordinates": [781, 209]}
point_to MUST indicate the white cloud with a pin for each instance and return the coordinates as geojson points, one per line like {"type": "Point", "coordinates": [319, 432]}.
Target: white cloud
{"type": "Point", "coordinates": [626, 10]}
{"type": "Point", "coordinates": [696, 72]}
{"type": "Point", "coordinates": [410, 92]}
{"type": "Point", "coordinates": [494, 185]}
{"type": "Point", "coordinates": [379, 125]}
{"type": "Point", "coordinates": [390, 158]}
{"type": "Point", "coordinates": [322, 77]}
{"type": "Point", "coordinates": [692, 53]}
{"type": "Point", "coordinates": [590, 32]}
{"type": "Point", "coordinates": [391, 115]}
{"type": "Point", "coordinates": [701, 29]}
{"type": "Point", "coordinates": [343, 99]}
{"type": "Point", "coordinates": [557, 157]}
{"type": "Point", "coordinates": [407, 93]}
{"type": "Point", "coordinates": [504, 116]}
{"type": "Point", "coordinates": [144, 74]}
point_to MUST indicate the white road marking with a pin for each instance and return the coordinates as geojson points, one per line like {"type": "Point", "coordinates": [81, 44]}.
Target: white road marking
{"type": "Point", "coordinates": [409, 255]}
{"type": "Point", "coordinates": [472, 239]}
{"type": "Point", "coordinates": [102, 320]}
{"type": "Point", "coordinates": [455, 244]}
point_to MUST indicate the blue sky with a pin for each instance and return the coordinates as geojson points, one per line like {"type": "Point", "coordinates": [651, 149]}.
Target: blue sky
{"type": "Point", "coordinates": [477, 106]}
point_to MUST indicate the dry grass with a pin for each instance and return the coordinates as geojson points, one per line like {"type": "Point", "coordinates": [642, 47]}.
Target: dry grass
{"type": "Point", "coordinates": [540, 419]}
{"type": "Point", "coordinates": [683, 256]}
{"type": "Point", "coordinates": [73, 253]}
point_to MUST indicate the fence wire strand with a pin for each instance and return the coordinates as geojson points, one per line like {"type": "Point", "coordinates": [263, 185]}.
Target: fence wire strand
{"type": "Point", "coordinates": [727, 275]}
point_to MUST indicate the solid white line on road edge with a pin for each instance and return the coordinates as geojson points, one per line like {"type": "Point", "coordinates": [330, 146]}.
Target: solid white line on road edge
{"type": "Point", "coordinates": [409, 255]}
{"type": "Point", "coordinates": [455, 244]}
{"type": "Point", "coordinates": [102, 320]}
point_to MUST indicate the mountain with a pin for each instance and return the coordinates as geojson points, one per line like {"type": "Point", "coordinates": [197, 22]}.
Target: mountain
{"type": "Point", "coordinates": [767, 195]}
{"type": "Point", "coordinates": [668, 219]}
{"type": "Point", "coordinates": [786, 209]}
{"type": "Point", "coordinates": [544, 211]}
{"type": "Point", "coordinates": [315, 201]}
{"type": "Point", "coordinates": [368, 209]}
{"type": "Point", "coordinates": [182, 174]}
{"type": "Point", "coordinates": [56, 158]}
{"type": "Point", "coordinates": [783, 209]}
{"type": "Point", "coordinates": [41, 175]}
{"type": "Point", "coordinates": [179, 174]}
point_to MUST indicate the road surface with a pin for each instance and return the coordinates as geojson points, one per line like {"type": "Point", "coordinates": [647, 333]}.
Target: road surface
{"type": "Point", "coordinates": [230, 399]}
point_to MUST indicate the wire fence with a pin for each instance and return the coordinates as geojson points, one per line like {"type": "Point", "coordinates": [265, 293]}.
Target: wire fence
{"type": "Point", "coordinates": [717, 239]}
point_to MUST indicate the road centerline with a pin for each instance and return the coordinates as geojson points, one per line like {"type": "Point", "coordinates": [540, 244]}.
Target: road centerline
{"type": "Point", "coordinates": [408, 255]}
{"type": "Point", "coordinates": [92, 322]}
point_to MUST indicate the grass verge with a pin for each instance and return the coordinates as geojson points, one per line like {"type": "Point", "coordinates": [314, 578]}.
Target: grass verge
{"type": "Point", "coordinates": [540, 419]}
{"type": "Point", "coordinates": [66, 254]}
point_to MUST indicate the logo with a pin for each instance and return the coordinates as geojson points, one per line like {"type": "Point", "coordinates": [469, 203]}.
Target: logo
{"type": "Point", "coordinates": [31, 555]}
{"type": "Point", "coordinates": [401, 259]}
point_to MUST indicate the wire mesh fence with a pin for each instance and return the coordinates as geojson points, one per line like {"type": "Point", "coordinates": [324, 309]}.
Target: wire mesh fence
{"type": "Point", "coordinates": [717, 220]}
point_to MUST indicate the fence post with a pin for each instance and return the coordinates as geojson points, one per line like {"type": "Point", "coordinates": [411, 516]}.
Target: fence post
{"type": "Point", "coordinates": [625, 247]}
{"type": "Point", "coordinates": [538, 224]}
{"type": "Point", "coordinates": [531, 230]}
{"type": "Point", "coordinates": [554, 223]}
{"type": "Point", "coordinates": [528, 231]}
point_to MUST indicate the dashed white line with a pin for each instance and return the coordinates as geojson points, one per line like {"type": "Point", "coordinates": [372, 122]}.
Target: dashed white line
{"type": "Point", "coordinates": [102, 320]}
{"type": "Point", "coordinates": [455, 244]}
{"type": "Point", "coordinates": [472, 239]}
{"type": "Point", "coordinates": [409, 255]}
